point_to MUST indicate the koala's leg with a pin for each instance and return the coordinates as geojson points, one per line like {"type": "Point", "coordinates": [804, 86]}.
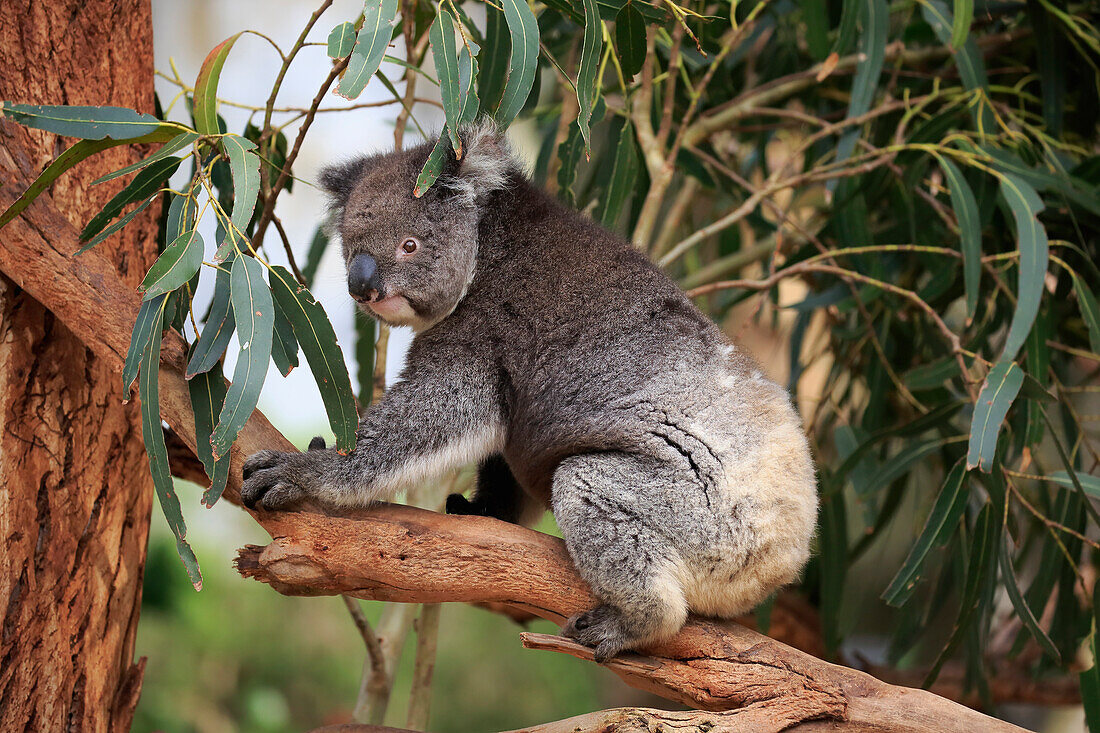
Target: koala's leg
{"type": "Point", "coordinates": [497, 495]}
{"type": "Point", "coordinates": [620, 552]}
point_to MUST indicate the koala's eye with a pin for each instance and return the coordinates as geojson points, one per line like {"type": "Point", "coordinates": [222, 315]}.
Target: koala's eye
{"type": "Point", "coordinates": [409, 246]}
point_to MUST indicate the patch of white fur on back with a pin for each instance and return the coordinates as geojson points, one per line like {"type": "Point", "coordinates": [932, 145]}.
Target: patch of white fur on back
{"type": "Point", "coordinates": [469, 448]}
{"type": "Point", "coordinates": [486, 162]}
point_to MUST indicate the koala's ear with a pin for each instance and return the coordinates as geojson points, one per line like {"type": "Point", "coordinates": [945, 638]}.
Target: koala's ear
{"type": "Point", "coordinates": [485, 165]}
{"type": "Point", "coordinates": [339, 180]}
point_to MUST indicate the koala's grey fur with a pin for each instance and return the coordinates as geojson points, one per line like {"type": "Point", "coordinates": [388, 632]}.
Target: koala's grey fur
{"type": "Point", "coordinates": [583, 379]}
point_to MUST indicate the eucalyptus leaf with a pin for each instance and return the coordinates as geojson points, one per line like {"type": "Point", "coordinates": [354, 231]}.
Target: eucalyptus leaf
{"type": "Point", "coordinates": [591, 47]}
{"type": "Point", "coordinates": [87, 123]}
{"type": "Point", "coordinates": [998, 392]}
{"type": "Point", "coordinates": [115, 227]}
{"type": "Point", "coordinates": [370, 46]}
{"type": "Point", "coordinates": [1034, 249]}
{"type": "Point", "coordinates": [147, 182]}
{"type": "Point", "coordinates": [523, 62]}
{"type": "Point", "coordinates": [322, 351]}
{"type": "Point", "coordinates": [206, 87]}
{"type": "Point", "coordinates": [341, 40]}
{"type": "Point", "coordinates": [217, 330]}
{"type": "Point", "coordinates": [153, 437]}
{"type": "Point", "coordinates": [207, 391]}
{"type": "Point", "coordinates": [255, 317]}
{"type": "Point", "coordinates": [938, 528]}
{"type": "Point", "coordinates": [630, 41]}
{"type": "Point", "coordinates": [177, 264]}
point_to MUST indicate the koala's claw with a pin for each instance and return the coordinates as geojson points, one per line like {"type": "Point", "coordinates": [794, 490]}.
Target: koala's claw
{"type": "Point", "coordinates": [269, 481]}
{"type": "Point", "coordinates": [600, 628]}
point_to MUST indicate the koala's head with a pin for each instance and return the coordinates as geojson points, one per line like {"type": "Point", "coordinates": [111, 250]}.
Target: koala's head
{"type": "Point", "coordinates": [410, 260]}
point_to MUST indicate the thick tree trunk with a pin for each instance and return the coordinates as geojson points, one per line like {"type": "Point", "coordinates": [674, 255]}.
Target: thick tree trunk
{"type": "Point", "coordinates": [75, 494]}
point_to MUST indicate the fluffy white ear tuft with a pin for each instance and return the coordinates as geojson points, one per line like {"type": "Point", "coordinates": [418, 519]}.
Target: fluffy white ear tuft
{"type": "Point", "coordinates": [485, 165]}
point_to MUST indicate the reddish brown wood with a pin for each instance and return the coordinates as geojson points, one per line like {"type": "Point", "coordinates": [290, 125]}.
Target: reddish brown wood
{"type": "Point", "coordinates": [74, 496]}
{"type": "Point", "coordinates": [397, 553]}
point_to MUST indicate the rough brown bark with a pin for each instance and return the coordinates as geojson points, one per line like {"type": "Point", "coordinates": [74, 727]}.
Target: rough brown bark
{"type": "Point", "coordinates": [74, 494]}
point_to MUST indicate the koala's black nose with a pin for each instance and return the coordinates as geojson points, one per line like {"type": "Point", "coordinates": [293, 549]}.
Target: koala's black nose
{"type": "Point", "coordinates": [363, 280]}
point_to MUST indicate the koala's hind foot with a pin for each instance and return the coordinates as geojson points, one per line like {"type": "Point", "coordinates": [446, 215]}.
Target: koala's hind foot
{"type": "Point", "coordinates": [498, 495]}
{"type": "Point", "coordinates": [622, 556]}
{"type": "Point", "coordinates": [604, 628]}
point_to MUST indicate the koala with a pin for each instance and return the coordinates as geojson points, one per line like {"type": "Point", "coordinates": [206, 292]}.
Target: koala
{"type": "Point", "coordinates": [579, 377]}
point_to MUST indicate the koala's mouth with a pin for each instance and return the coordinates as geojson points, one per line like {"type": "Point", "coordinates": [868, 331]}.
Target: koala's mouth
{"type": "Point", "coordinates": [392, 308]}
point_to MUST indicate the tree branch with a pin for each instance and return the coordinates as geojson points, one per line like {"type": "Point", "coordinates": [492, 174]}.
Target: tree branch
{"type": "Point", "coordinates": [393, 553]}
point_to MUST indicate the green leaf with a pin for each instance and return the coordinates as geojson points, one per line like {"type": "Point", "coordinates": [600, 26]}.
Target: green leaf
{"type": "Point", "coordinates": [175, 144]}
{"type": "Point", "coordinates": [833, 564]}
{"type": "Point", "coordinates": [205, 109]}
{"type": "Point", "coordinates": [370, 46]}
{"type": "Point", "coordinates": [964, 16]}
{"type": "Point", "coordinates": [153, 436]}
{"type": "Point", "coordinates": [467, 73]}
{"type": "Point", "coordinates": [523, 62]}
{"type": "Point", "coordinates": [624, 175]}
{"type": "Point", "coordinates": [494, 59]}
{"type": "Point", "coordinates": [366, 331]}
{"type": "Point", "coordinates": [591, 46]}
{"type": "Point", "coordinates": [219, 326]}
{"type": "Point", "coordinates": [148, 317]}
{"type": "Point", "coordinates": [968, 59]}
{"type": "Point", "coordinates": [115, 227]}
{"type": "Point", "coordinates": [1033, 247]}
{"type": "Point", "coordinates": [244, 165]}
{"type": "Point", "coordinates": [176, 265]}
{"type": "Point", "coordinates": [846, 32]}
{"type": "Point", "coordinates": [146, 183]}
{"type": "Point", "coordinates": [322, 352]}
{"type": "Point", "coordinates": [1023, 611]}
{"type": "Point", "coordinates": [181, 216]}
{"type": "Point", "coordinates": [207, 392]}
{"type": "Point", "coordinates": [1090, 312]}
{"type": "Point", "coordinates": [255, 317]}
{"type": "Point", "coordinates": [1051, 53]}
{"type": "Point", "coordinates": [1089, 484]}
{"type": "Point", "coordinates": [875, 15]}
{"type": "Point", "coordinates": [1071, 471]}
{"type": "Point", "coordinates": [341, 40]}
{"type": "Point", "coordinates": [970, 231]}
{"type": "Point", "coordinates": [980, 564]}
{"type": "Point", "coordinates": [815, 19]}
{"type": "Point", "coordinates": [284, 347]}
{"type": "Point", "coordinates": [630, 40]}
{"type": "Point", "coordinates": [433, 166]}
{"type": "Point", "coordinates": [931, 376]}
{"type": "Point", "coordinates": [313, 256]}
{"type": "Point", "coordinates": [938, 528]}
{"type": "Point", "coordinates": [569, 153]}
{"type": "Point", "coordinates": [999, 390]}
{"type": "Point", "coordinates": [897, 466]}
{"type": "Point", "coordinates": [78, 152]}
{"type": "Point", "coordinates": [442, 37]}
{"type": "Point", "coordinates": [88, 123]}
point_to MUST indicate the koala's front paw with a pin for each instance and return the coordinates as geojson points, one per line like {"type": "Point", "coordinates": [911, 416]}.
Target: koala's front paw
{"type": "Point", "coordinates": [273, 480]}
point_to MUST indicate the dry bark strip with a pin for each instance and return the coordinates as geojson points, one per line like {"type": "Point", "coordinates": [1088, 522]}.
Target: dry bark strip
{"type": "Point", "coordinates": [407, 554]}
